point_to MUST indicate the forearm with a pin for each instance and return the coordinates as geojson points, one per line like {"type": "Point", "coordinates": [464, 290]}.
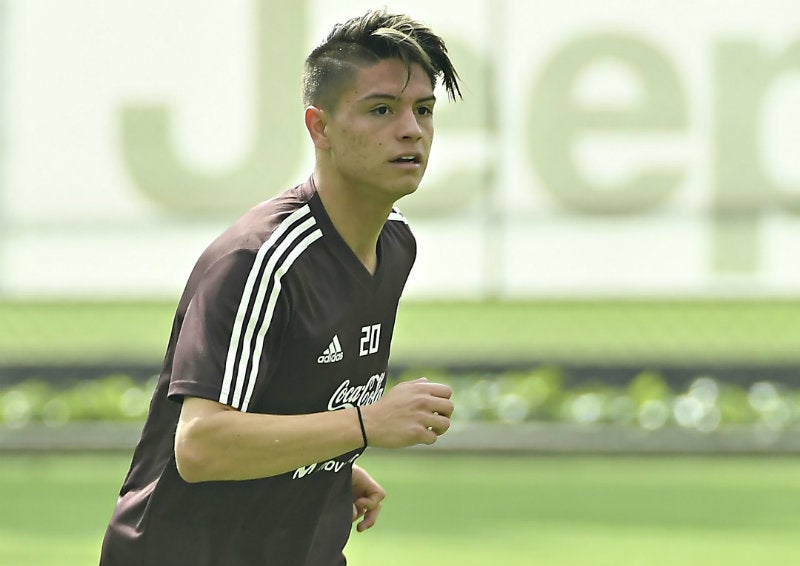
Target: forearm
{"type": "Point", "coordinates": [216, 442]}
{"type": "Point", "coordinates": [232, 445]}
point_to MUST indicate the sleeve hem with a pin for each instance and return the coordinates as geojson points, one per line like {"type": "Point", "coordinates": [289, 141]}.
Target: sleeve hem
{"type": "Point", "coordinates": [178, 390]}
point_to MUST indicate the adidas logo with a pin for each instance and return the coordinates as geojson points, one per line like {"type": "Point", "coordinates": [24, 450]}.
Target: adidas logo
{"type": "Point", "coordinates": [333, 353]}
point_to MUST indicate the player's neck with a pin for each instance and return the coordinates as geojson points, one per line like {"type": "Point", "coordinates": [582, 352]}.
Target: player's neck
{"type": "Point", "coordinates": [358, 220]}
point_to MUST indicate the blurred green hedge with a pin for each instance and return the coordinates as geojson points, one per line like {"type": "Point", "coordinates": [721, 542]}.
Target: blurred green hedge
{"type": "Point", "coordinates": [540, 394]}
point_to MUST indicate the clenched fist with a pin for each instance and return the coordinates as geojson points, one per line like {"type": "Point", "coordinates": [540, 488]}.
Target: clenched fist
{"type": "Point", "coordinates": [412, 412]}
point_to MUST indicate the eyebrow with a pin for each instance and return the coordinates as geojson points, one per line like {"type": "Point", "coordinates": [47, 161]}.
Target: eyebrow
{"type": "Point", "coordinates": [383, 96]}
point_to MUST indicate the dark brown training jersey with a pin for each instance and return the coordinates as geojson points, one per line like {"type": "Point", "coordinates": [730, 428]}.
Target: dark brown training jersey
{"type": "Point", "coordinates": [279, 316]}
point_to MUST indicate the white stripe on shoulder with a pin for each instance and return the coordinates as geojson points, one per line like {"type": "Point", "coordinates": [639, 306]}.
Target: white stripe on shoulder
{"type": "Point", "coordinates": [232, 362]}
{"type": "Point", "coordinates": [397, 216]}
{"type": "Point", "coordinates": [248, 346]}
{"type": "Point", "coordinates": [277, 275]}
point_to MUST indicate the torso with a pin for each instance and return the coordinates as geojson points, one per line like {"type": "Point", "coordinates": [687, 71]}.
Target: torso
{"type": "Point", "coordinates": [320, 327]}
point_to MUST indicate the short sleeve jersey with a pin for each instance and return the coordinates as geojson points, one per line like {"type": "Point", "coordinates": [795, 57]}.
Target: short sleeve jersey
{"type": "Point", "coordinates": [279, 316]}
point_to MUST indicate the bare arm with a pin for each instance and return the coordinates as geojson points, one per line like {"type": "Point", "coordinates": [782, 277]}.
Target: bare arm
{"type": "Point", "coordinates": [216, 442]}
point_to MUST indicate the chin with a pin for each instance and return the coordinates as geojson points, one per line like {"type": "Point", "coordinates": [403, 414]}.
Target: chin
{"type": "Point", "coordinates": [405, 191]}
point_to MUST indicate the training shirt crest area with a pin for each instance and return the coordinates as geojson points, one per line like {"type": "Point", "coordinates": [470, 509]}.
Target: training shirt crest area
{"type": "Point", "coordinates": [278, 316]}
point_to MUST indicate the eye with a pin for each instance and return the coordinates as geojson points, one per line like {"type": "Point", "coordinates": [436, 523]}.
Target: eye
{"type": "Point", "coordinates": [425, 111]}
{"type": "Point", "coordinates": [380, 110]}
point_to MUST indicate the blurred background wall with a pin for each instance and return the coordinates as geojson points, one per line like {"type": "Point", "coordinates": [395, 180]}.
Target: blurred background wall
{"type": "Point", "coordinates": [603, 149]}
{"type": "Point", "coordinates": [617, 196]}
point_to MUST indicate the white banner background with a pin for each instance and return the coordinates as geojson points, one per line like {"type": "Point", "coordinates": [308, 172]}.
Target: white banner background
{"type": "Point", "coordinates": [494, 217]}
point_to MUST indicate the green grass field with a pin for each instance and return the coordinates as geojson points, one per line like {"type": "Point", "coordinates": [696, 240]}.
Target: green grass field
{"type": "Point", "coordinates": [473, 510]}
{"type": "Point", "coordinates": [686, 332]}
{"type": "Point", "coordinates": [464, 510]}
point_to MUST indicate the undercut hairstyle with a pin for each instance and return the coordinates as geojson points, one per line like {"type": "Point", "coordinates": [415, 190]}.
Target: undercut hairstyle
{"type": "Point", "coordinates": [367, 40]}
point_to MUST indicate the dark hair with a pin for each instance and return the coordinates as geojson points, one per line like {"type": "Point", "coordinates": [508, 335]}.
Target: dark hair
{"type": "Point", "coordinates": [366, 40]}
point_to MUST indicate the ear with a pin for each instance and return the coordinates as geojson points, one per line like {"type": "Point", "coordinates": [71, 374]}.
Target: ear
{"type": "Point", "coordinates": [316, 123]}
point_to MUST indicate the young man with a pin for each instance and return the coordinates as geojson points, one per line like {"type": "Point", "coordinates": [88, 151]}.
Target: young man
{"type": "Point", "coordinates": [273, 382]}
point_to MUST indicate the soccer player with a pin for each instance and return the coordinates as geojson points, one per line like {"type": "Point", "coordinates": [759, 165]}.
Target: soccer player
{"type": "Point", "coordinates": [274, 378]}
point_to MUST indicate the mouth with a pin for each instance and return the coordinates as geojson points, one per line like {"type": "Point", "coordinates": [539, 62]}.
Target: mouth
{"type": "Point", "coordinates": [408, 159]}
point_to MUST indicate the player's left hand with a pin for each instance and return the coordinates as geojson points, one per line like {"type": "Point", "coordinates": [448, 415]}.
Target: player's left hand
{"type": "Point", "coordinates": [367, 498]}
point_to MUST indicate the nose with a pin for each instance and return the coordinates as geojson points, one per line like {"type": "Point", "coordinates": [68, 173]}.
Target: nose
{"type": "Point", "coordinates": [409, 127]}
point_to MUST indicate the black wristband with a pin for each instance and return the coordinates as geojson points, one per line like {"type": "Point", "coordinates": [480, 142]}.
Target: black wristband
{"type": "Point", "coordinates": [361, 422]}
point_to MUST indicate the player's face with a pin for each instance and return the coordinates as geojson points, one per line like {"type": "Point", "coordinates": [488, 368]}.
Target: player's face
{"type": "Point", "coordinates": [381, 133]}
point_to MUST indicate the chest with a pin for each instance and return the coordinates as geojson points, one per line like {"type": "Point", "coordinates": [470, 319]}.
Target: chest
{"type": "Point", "coordinates": [334, 349]}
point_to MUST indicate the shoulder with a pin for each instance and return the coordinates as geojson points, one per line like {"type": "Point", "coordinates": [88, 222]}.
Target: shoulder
{"type": "Point", "coordinates": [397, 226]}
{"type": "Point", "coordinates": [281, 221]}
{"type": "Point", "coordinates": [398, 244]}
{"type": "Point", "coordinates": [396, 216]}
{"type": "Point", "coordinates": [260, 238]}
{"type": "Point", "coordinates": [270, 220]}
